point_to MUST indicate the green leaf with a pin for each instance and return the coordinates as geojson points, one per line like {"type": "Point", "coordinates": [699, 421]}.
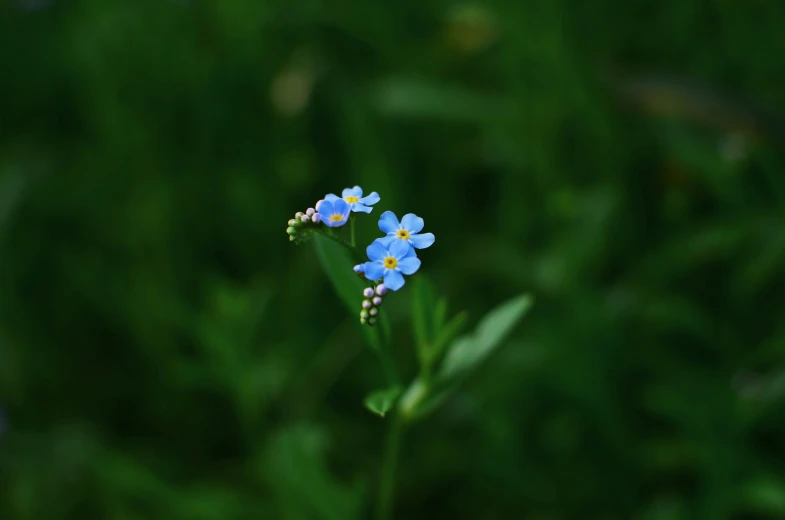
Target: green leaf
{"type": "Point", "coordinates": [469, 351]}
{"type": "Point", "coordinates": [294, 467]}
{"type": "Point", "coordinates": [337, 263]}
{"type": "Point", "coordinates": [423, 315]}
{"type": "Point", "coordinates": [381, 401]}
{"type": "Point", "coordinates": [446, 334]}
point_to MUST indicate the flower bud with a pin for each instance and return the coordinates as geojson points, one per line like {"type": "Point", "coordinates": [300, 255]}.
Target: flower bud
{"type": "Point", "coordinates": [368, 292]}
{"type": "Point", "coordinates": [364, 315]}
{"type": "Point", "coordinates": [316, 218]}
{"type": "Point", "coordinates": [305, 219]}
{"type": "Point", "coordinates": [310, 212]}
{"type": "Point", "coordinates": [381, 289]}
{"type": "Point", "coordinates": [318, 204]}
{"type": "Point", "coordinates": [363, 321]}
{"type": "Point", "coordinates": [292, 238]}
{"type": "Point", "coordinates": [291, 231]}
{"type": "Point", "coordinates": [371, 321]}
{"type": "Point", "coordinates": [377, 300]}
{"type": "Point", "coordinates": [298, 214]}
{"type": "Point", "coordinates": [292, 222]}
{"type": "Point", "coordinates": [367, 304]}
{"type": "Point", "coordinates": [374, 311]}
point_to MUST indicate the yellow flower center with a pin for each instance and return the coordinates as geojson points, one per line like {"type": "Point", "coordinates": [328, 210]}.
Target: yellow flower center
{"type": "Point", "coordinates": [351, 199]}
{"type": "Point", "coordinates": [390, 262]}
{"type": "Point", "coordinates": [403, 234]}
{"type": "Point", "coordinates": [336, 217]}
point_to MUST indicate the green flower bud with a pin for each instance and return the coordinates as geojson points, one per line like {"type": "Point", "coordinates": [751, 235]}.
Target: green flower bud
{"type": "Point", "coordinates": [291, 230]}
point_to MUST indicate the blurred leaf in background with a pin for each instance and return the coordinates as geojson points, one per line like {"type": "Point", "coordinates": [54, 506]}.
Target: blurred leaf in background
{"type": "Point", "coordinates": [165, 352]}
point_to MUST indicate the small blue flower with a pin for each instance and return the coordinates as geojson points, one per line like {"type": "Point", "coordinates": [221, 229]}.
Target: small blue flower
{"type": "Point", "coordinates": [354, 197]}
{"type": "Point", "coordinates": [407, 230]}
{"type": "Point", "coordinates": [334, 213]}
{"type": "Point", "coordinates": [391, 263]}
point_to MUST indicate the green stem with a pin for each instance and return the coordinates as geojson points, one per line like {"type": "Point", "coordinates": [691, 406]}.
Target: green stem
{"type": "Point", "coordinates": [387, 480]}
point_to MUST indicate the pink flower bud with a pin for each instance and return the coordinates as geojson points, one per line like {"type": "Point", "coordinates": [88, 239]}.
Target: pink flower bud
{"type": "Point", "coordinates": [374, 311]}
{"type": "Point", "coordinates": [368, 292]}
{"type": "Point", "coordinates": [381, 289]}
{"type": "Point", "coordinates": [305, 219]}
{"type": "Point", "coordinates": [367, 304]}
{"type": "Point", "coordinates": [316, 218]}
{"type": "Point", "coordinates": [377, 300]}
{"type": "Point", "coordinates": [310, 212]}
{"type": "Point", "coordinates": [318, 204]}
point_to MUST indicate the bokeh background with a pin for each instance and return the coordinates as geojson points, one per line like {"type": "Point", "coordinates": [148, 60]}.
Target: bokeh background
{"type": "Point", "coordinates": [166, 353]}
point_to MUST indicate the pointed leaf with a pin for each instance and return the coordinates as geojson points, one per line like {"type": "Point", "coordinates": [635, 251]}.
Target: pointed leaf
{"type": "Point", "coordinates": [469, 351]}
{"type": "Point", "coordinates": [381, 401]}
{"type": "Point", "coordinates": [337, 263]}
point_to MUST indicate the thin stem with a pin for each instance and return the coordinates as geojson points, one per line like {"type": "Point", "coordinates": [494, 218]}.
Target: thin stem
{"type": "Point", "coordinates": [387, 481]}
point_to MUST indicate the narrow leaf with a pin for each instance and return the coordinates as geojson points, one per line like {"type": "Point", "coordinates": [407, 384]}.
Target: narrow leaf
{"type": "Point", "coordinates": [337, 263]}
{"type": "Point", "coordinates": [469, 351]}
{"type": "Point", "coordinates": [381, 401]}
{"type": "Point", "coordinates": [422, 315]}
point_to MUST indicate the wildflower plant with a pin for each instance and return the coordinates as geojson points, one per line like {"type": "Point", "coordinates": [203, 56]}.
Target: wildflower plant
{"type": "Point", "coordinates": [365, 277]}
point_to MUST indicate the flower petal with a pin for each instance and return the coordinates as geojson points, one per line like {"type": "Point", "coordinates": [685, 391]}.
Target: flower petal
{"type": "Point", "coordinates": [376, 251]}
{"type": "Point", "coordinates": [393, 280]}
{"type": "Point", "coordinates": [422, 241]}
{"type": "Point", "coordinates": [386, 241]}
{"type": "Point", "coordinates": [341, 207]}
{"type": "Point", "coordinates": [352, 192]}
{"type": "Point", "coordinates": [371, 199]}
{"type": "Point", "coordinates": [326, 209]}
{"type": "Point", "coordinates": [373, 270]}
{"type": "Point", "coordinates": [399, 248]}
{"type": "Point", "coordinates": [388, 222]}
{"type": "Point", "coordinates": [333, 223]}
{"type": "Point", "coordinates": [412, 223]}
{"type": "Point", "coordinates": [411, 253]}
{"type": "Point", "coordinates": [409, 265]}
{"type": "Point", "coordinates": [359, 207]}
{"type": "Point", "coordinates": [331, 197]}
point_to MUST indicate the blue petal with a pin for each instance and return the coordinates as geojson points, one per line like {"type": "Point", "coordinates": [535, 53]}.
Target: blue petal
{"type": "Point", "coordinates": [371, 199]}
{"type": "Point", "coordinates": [376, 251]}
{"type": "Point", "coordinates": [326, 209]}
{"type": "Point", "coordinates": [386, 241]}
{"type": "Point", "coordinates": [341, 207]}
{"type": "Point", "coordinates": [411, 252]}
{"type": "Point", "coordinates": [412, 223]}
{"type": "Point", "coordinates": [409, 265]}
{"type": "Point", "coordinates": [359, 207]}
{"type": "Point", "coordinates": [399, 248]}
{"type": "Point", "coordinates": [422, 241]}
{"type": "Point", "coordinates": [388, 222]}
{"type": "Point", "coordinates": [352, 192]}
{"type": "Point", "coordinates": [334, 223]}
{"type": "Point", "coordinates": [373, 270]}
{"type": "Point", "coordinates": [331, 197]}
{"type": "Point", "coordinates": [393, 279]}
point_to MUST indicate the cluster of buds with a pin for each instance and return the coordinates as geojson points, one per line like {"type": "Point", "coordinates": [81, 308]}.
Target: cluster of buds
{"type": "Point", "coordinates": [371, 303]}
{"type": "Point", "coordinates": [296, 225]}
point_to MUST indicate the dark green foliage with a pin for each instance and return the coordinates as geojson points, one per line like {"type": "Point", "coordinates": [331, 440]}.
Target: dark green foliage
{"type": "Point", "coordinates": [166, 353]}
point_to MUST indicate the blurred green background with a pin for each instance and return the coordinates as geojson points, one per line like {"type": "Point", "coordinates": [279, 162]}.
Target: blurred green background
{"type": "Point", "coordinates": [166, 353]}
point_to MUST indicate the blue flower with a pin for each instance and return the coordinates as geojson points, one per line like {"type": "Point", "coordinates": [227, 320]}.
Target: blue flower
{"type": "Point", "coordinates": [407, 230]}
{"type": "Point", "coordinates": [334, 213]}
{"type": "Point", "coordinates": [391, 263]}
{"type": "Point", "coordinates": [354, 198]}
